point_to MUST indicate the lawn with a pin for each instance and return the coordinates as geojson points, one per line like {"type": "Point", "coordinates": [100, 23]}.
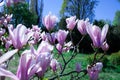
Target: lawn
{"type": "Point", "coordinates": [108, 73]}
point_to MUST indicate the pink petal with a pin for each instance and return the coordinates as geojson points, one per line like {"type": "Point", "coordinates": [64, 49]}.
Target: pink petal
{"type": "Point", "coordinates": [7, 55]}
{"type": "Point", "coordinates": [104, 32]}
{"type": "Point", "coordinates": [6, 73]}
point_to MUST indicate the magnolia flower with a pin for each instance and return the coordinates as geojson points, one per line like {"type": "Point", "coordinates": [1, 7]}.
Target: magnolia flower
{"type": "Point", "coordinates": [61, 36]}
{"type": "Point", "coordinates": [2, 31]}
{"type": "Point", "coordinates": [49, 21]}
{"type": "Point", "coordinates": [9, 2]}
{"type": "Point", "coordinates": [93, 71]}
{"type": "Point", "coordinates": [105, 46]}
{"type": "Point", "coordinates": [43, 56]}
{"type": "Point", "coordinates": [19, 37]}
{"type": "Point", "coordinates": [9, 17]}
{"type": "Point", "coordinates": [35, 28]}
{"type": "Point", "coordinates": [71, 22]}
{"type": "Point", "coordinates": [78, 67]}
{"type": "Point", "coordinates": [67, 46]}
{"type": "Point", "coordinates": [54, 64]}
{"type": "Point", "coordinates": [51, 37]}
{"type": "Point", "coordinates": [97, 36]}
{"type": "Point", "coordinates": [29, 64]}
{"type": "Point", "coordinates": [44, 36]}
{"type": "Point", "coordinates": [36, 34]}
{"type": "Point", "coordinates": [82, 25]}
{"type": "Point", "coordinates": [59, 48]}
{"type": "Point", "coordinates": [44, 60]}
{"type": "Point", "coordinates": [8, 44]}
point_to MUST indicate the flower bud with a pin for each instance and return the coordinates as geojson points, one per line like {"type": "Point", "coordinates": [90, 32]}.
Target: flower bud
{"type": "Point", "coordinates": [71, 22]}
{"type": "Point", "coordinates": [54, 64]}
{"type": "Point", "coordinates": [78, 67]}
{"type": "Point", "coordinates": [61, 36]}
{"type": "Point", "coordinates": [105, 46]}
{"type": "Point", "coordinates": [49, 21]}
{"type": "Point", "coordinates": [59, 48]}
{"type": "Point", "coordinates": [81, 26]}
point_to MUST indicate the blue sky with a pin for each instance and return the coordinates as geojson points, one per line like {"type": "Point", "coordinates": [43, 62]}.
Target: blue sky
{"type": "Point", "coordinates": [104, 10]}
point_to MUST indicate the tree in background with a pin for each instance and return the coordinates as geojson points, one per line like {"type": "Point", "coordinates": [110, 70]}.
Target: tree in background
{"type": "Point", "coordinates": [81, 8]}
{"type": "Point", "coordinates": [21, 14]}
{"type": "Point", "coordinates": [36, 6]}
{"type": "Point", "coordinates": [116, 20]}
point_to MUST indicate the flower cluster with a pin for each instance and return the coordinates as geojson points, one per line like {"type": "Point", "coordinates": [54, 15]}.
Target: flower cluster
{"type": "Point", "coordinates": [38, 48]}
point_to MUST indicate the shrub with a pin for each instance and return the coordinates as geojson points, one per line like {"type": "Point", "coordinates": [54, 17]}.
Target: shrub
{"type": "Point", "coordinates": [21, 14]}
{"type": "Point", "coordinates": [115, 59]}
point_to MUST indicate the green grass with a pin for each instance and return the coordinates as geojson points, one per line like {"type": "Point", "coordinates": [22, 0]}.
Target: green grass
{"type": "Point", "coordinates": [108, 73]}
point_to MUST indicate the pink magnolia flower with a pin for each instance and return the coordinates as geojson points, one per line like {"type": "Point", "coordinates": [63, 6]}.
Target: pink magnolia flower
{"type": "Point", "coordinates": [44, 60]}
{"type": "Point", "coordinates": [61, 36]}
{"type": "Point", "coordinates": [59, 48]}
{"type": "Point", "coordinates": [9, 3]}
{"type": "Point", "coordinates": [78, 67]}
{"type": "Point", "coordinates": [49, 21]}
{"type": "Point", "coordinates": [54, 64]}
{"type": "Point", "coordinates": [29, 64]}
{"type": "Point", "coordinates": [82, 25]}
{"type": "Point", "coordinates": [51, 37]}
{"type": "Point", "coordinates": [71, 22]}
{"type": "Point", "coordinates": [35, 28]}
{"type": "Point", "coordinates": [43, 56]}
{"type": "Point", "coordinates": [43, 47]}
{"type": "Point", "coordinates": [2, 31]}
{"type": "Point", "coordinates": [97, 36]}
{"type": "Point", "coordinates": [36, 34]}
{"type": "Point", "coordinates": [105, 46]}
{"type": "Point", "coordinates": [93, 71]}
{"type": "Point", "coordinates": [9, 17]}
{"type": "Point", "coordinates": [44, 36]}
{"type": "Point", "coordinates": [19, 37]}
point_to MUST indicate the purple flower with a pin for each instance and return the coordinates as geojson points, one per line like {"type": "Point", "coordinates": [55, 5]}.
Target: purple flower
{"type": "Point", "coordinates": [30, 64]}
{"type": "Point", "coordinates": [54, 64]}
{"type": "Point", "coordinates": [61, 36]}
{"type": "Point", "coordinates": [36, 34]}
{"type": "Point", "coordinates": [97, 36]}
{"type": "Point", "coordinates": [71, 22]}
{"type": "Point", "coordinates": [19, 37]}
{"type": "Point", "coordinates": [44, 36]}
{"type": "Point", "coordinates": [49, 21]}
{"type": "Point", "coordinates": [44, 60]}
{"type": "Point", "coordinates": [2, 31]}
{"type": "Point", "coordinates": [78, 67]}
{"type": "Point", "coordinates": [67, 46]}
{"type": "Point", "coordinates": [93, 71]}
{"type": "Point", "coordinates": [59, 48]}
{"type": "Point", "coordinates": [105, 46]}
{"type": "Point", "coordinates": [81, 26]}
{"type": "Point", "coordinates": [9, 2]}
{"type": "Point", "coordinates": [51, 37]}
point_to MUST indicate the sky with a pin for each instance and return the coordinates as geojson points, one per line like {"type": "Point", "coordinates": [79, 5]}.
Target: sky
{"type": "Point", "coordinates": [104, 10]}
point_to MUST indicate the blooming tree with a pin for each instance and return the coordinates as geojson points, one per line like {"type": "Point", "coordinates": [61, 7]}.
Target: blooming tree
{"type": "Point", "coordinates": [36, 48]}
